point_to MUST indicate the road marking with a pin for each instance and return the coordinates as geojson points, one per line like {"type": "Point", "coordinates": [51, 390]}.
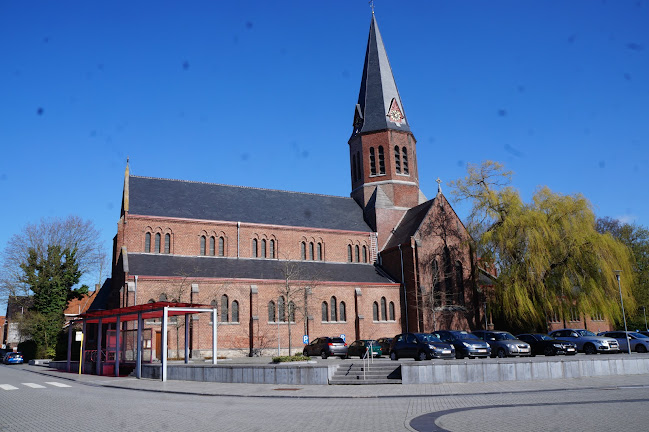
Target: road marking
{"type": "Point", "coordinates": [33, 385]}
{"type": "Point", "coordinates": [8, 387]}
{"type": "Point", "coordinates": [57, 384]}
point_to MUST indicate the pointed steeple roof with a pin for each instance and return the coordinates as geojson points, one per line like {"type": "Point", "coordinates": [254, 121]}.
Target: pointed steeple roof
{"type": "Point", "coordinates": [379, 105]}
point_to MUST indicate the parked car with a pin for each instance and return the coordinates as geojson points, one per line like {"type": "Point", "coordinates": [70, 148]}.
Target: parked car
{"type": "Point", "coordinates": [385, 344]}
{"type": "Point", "coordinates": [587, 341]}
{"type": "Point", "coordinates": [360, 347]}
{"type": "Point", "coordinates": [639, 342]}
{"type": "Point", "coordinates": [504, 344]}
{"type": "Point", "coordinates": [644, 332]}
{"type": "Point", "coordinates": [325, 347]}
{"type": "Point", "coordinates": [465, 344]}
{"type": "Point", "coordinates": [13, 358]}
{"type": "Point", "coordinates": [547, 345]}
{"type": "Point", "coordinates": [420, 346]}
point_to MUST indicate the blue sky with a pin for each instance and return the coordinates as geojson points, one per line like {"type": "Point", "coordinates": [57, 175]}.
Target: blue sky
{"type": "Point", "coordinates": [262, 94]}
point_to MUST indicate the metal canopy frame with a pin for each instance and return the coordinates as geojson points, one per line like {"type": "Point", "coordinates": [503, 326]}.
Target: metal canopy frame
{"type": "Point", "coordinates": [141, 312]}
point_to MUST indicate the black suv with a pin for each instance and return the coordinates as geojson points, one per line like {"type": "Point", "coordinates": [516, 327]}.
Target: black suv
{"type": "Point", "coordinates": [325, 347]}
{"type": "Point", "coordinates": [420, 346]}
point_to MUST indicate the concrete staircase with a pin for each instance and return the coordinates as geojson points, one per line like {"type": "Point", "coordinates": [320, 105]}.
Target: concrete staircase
{"type": "Point", "coordinates": [376, 373]}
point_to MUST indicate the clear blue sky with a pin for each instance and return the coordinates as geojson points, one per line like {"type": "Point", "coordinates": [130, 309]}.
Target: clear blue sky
{"type": "Point", "coordinates": [262, 94]}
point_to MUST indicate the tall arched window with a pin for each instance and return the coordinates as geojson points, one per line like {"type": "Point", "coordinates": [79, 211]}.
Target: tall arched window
{"type": "Point", "coordinates": [384, 310]}
{"type": "Point", "coordinates": [212, 246]}
{"type": "Point", "coordinates": [202, 245]}
{"type": "Point", "coordinates": [459, 280]}
{"type": "Point", "coordinates": [448, 277]}
{"type": "Point", "coordinates": [436, 294]}
{"type": "Point", "coordinates": [358, 165]}
{"type": "Point", "coordinates": [349, 253]}
{"type": "Point", "coordinates": [311, 251]}
{"type": "Point", "coordinates": [357, 253]}
{"type": "Point", "coordinates": [372, 162]}
{"type": "Point", "coordinates": [147, 242]}
{"type": "Point", "coordinates": [364, 254]}
{"type": "Point", "coordinates": [325, 312]}
{"type": "Point", "coordinates": [263, 248]}
{"type": "Point", "coordinates": [163, 297]}
{"type": "Point", "coordinates": [375, 311]}
{"type": "Point", "coordinates": [281, 309]}
{"type": "Point", "coordinates": [391, 310]}
{"type": "Point", "coordinates": [167, 243]}
{"type": "Point", "coordinates": [221, 246]}
{"type": "Point", "coordinates": [334, 309]}
{"type": "Point", "coordinates": [397, 159]}
{"type": "Point", "coordinates": [225, 315]}
{"type": "Point", "coordinates": [291, 312]}
{"type": "Point", "coordinates": [271, 311]}
{"type": "Point", "coordinates": [343, 312]}
{"type": "Point", "coordinates": [156, 247]}
{"type": "Point", "coordinates": [405, 160]}
{"type": "Point", "coordinates": [271, 253]}
{"type": "Point", "coordinates": [235, 311]}
{"type": "Point", "coordinates": [354, 173]}
{"type": "Point", "coordinates": [319, 251]}
{"type": "Point", "coordinates": [254, 248]}
{"type": "Point", "coordinates": [381, 161]}
{"type": "Point", "coordinates": [303, 250]}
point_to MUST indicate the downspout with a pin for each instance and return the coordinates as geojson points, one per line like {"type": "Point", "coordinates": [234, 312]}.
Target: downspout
{"type": "Point", "coordinates": [238, 229]}
{"type": "Point", "coordinates": [403, 282]}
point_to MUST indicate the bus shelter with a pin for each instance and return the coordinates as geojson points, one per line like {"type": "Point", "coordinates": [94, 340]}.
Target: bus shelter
{"type": "Point", "coordinates": [139, 313]}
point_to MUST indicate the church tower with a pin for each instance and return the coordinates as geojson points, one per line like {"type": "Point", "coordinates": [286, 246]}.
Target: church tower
{"type": "Point", "coordinates": [382, 149]}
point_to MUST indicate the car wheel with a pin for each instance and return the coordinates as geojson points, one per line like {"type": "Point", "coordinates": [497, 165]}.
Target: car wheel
{"type": "Point", "coordinates": [590, 349]}
{"type": "Point", "coordinates": [641, 348]}
{"type": "Point", "coordinates": [548, 351]}
{"type": "Point", "coordinates": [422, 356]}
{"type": "Point", "coordinates": [323, 355]}
{"type": "Point", "coordinates": [393, 356]}
{"type": "Point", "coordinates": [501, 353]}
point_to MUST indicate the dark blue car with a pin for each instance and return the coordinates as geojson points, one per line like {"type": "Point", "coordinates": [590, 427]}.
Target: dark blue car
{"type": "Point", "coordinates": [13, 358]}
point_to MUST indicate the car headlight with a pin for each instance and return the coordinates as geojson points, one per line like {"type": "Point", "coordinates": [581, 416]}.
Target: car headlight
{"type": "Point", "coordinates": [557, 345]}
{"type": "Point", "coordinates": [468, 345]}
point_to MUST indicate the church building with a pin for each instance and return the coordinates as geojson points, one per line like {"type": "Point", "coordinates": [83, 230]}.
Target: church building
{"type": "Point", "coordinates": [281, 265]}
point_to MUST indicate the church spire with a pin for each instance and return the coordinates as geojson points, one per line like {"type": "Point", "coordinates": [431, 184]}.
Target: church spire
{"type": "Point", "coordinates": [379, 105]}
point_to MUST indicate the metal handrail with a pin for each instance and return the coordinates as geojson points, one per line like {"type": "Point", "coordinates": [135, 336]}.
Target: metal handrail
{"type": "Point", "coordinates": [369, 357]}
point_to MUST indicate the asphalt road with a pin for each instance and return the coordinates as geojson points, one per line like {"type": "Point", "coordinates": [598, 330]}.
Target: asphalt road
{"type": "Point", "coordinates": [33, 401]}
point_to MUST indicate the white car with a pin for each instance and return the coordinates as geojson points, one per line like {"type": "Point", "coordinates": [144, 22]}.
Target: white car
{"type": "Point", "coordinates": [587, 341]}
{"type": "Point", "coordinates": [639, 342]}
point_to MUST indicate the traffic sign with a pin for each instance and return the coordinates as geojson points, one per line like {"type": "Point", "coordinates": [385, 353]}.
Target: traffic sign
{"type": "Point", "coordinates": [305, 339]}
{"type": "Point", "coordinates": [342, 336]}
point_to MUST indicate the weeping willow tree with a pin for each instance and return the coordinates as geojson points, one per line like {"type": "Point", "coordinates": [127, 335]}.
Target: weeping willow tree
{"type": "Point", "coordinates": [549, 257]}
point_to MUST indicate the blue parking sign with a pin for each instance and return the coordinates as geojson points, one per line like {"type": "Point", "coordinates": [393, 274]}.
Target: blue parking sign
{"type": "Point", "coordinates": [342, 336]}
{"type": "Point", "coordinates": [305, 339]}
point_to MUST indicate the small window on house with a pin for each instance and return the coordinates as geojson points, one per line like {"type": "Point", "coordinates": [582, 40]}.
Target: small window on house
{"type": "Point", "coordinates": [202, 242]}
{"type": "Point", "coordinates": [372, 162]}
{"type": "Point", "coordinates": [343, 312]}
{"type": "Point", "coordinates": [167, 243]}
{"type": "Point", "coordinates": [151, 301]}
{"type": "Point", "coordinates": [364, 254]}
{"type": "Point", "coordinates": [391, 310]}
{"type": "Point", "coordinates": [271, 311]}
{"type": "Point", "coordinates": [303, 250]}
{"type": "Point", "coordinates": [254, 248]}
{"type": "Point", "coordinates": [163, 297]}
{"type": "Point", "coordinates": [334, 309]}
{"type": "Point", "coordinates": [357, 253]}
{"type": "Point", "coordinates": [325, 312]}
{"type": "Point", "coordinates": [349, 253]}
{"type": "Point", "coordinates": [147, 242]}
{"type": "Point", "coordinates": [291, 312]}
{"type": "Point", "coordinates": [235, 311]}
{"type": "Point", "coordinates": [281, 309]}
{"type": "Point", "coordinates": [397, 159]}
{"type": "Point", "coordinates": [156, 247]}
{"type": "Point", "coordinates": [271, 252]}
{"type": "Point", "coordinates": [574, 314]}
{"type": "Point", "coordinates": [384, 315]}
{"type": "Point", "coordinates": [319, 251]}
{"type": "Point", "coordinates": [212, 246]}
{"type": "Point", "coordinates": [405, 160]}
{"type": "Point", "coordinates": [263, 248]}
{"type": "Point", "coordinates": [311, 251]}
{"type": "Point", "coordinates": [225, 313]}
{"type": "Point", "coordinates": [375, 311]}
{"type": "Point", "coordinates": [381, 161]}
{"type": "Point", "coordinates": [221, 246]}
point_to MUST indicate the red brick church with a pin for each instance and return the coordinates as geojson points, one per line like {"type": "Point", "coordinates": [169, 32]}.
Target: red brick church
{"type": "Point", "coordinates": [384, 261]}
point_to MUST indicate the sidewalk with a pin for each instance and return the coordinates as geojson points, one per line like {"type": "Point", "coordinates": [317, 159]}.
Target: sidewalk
{"type": "Point", "coordinates": [343, 391]}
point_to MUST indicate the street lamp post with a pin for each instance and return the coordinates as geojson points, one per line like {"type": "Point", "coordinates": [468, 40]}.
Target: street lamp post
{"type": "Point", "coordinates": [617, 276]}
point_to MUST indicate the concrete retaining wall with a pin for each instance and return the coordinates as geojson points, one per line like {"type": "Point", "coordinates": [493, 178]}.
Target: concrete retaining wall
{"type": "Point", "coordinates": [517, 370]}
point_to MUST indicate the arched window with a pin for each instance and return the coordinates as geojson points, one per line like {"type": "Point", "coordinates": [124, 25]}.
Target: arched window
{"type": "Point", "coordinates": [372, 162]}
{"type": "Point", "coordinates": [221, 246]}
{"type": "Point", "coordinates": [384, 309]}
{"type": "Point", "coordinates": [364, 254]}
{"type": "Point", "coordinates": [225, 314]}
{"type": "Point", "coordinates": [391, 310]}
{"type": "Point", "coordinates": [349, 253]}
{"type": "Point", "coordinates": [325, 312]}
{"type": "Point", "coordinates": [448, 277]}
{"type": "Point", "coordinates": [381, 161]}
{"type": "Point", "coordinates": [147, 242]}
{"type": "Point", "coordinates": [311, 251]}
{"type": "Point", "coordinates": [405, 160]}
{"type": "Point", "coordinates": [459, 281]}
{"type": "Point", "coordinates": [151, 301]}
{"type": "Point", "coordinates": [343, 312]}
{"type": "Point", "coordinates": [235, 311]}
{"type": "Point", "coordinates": [271, 252]}
{"type": "Point", "coordinates": [358, 165]}
{"type": "Point", "coordinates": [167, 243]}
{"type": "Point", "coordinates": [254, 248]}
{"type": "Point", "coordinates": [319, 251]}
{"type": "Point", "coordinates": [375, 311]}
{"type": "Point", "coordinates": [357, 253]}
{"type": "Point", "coordinates": [281, 309]}
{"type": "Point", "coordinates": [334, 309]}
{"type": "Point", "coordinates": [397, 159]}
{"type": "Point", "coordinates": [271, 311]}
{"type": "Point", "coordinates": [263, 248]}
{"type": "Point", "coordinates": [212, 246]}
{"type": "Point", "coordinates": [291, 312]}
{"type": "Point", "coordinates": [435, 281]}
{"type": "Point", "coordinates": [303, 250]}
{"type": "Point", "coordinates": [202, 242]}
{"type": "Point", "coordinates": [354, 173]}
{"type": "Point", "coordinates": [156, 247]}
{"type": "Point", "coordinates": [163, 297]}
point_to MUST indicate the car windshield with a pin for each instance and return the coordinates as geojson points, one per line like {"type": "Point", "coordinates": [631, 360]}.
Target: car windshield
{"type": "Point", "coordinates": [544, 337]}
{"type": "Point", "coordinates": [465, 335]}
{"type": "Point", "coordinates": [639, 335]}
{"type": "Point", "coordinates": [428, 338]}
{"type": "Point", "coordinates": [337, 340]}
{"type": "Point", "coordinates": [504, 336]}
{"type": "Point", "coordinates": [585, 333]}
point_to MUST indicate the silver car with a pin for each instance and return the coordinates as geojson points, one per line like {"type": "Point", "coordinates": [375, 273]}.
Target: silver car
{"type": "Point", "coordinates": [504, 344]}
{"type": "Point", "coordinates": [639, 342]}
{"type": "Point", "coordinates": [587, 341]}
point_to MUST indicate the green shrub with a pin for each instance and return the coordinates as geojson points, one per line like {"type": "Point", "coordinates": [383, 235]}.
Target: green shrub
{"type": "Point", "coordinates": [295, 357]}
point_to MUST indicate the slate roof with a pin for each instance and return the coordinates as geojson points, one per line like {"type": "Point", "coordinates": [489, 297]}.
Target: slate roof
{"type": "Point", "coordinates": [244, 268]}
{"type": "Point", "coordinates": [409, 224]}
{"type": "Point", "coordinates": [207, 201]}
{"type": "Point", "coordinates": [378, 88]}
